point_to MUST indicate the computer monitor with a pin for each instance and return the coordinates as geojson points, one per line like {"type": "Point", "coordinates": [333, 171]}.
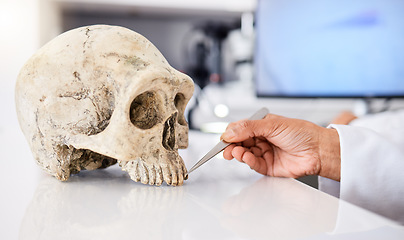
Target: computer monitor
{"type": "Point", "coordinates": [333, 48]}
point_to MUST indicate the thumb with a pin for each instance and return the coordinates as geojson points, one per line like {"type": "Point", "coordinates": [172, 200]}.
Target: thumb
{"type": "Point", "coordinates": [243, 130]}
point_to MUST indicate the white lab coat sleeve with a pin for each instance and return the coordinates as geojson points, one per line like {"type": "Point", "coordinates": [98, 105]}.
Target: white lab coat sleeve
{"type": "Point", "coordinates": [372, 164]}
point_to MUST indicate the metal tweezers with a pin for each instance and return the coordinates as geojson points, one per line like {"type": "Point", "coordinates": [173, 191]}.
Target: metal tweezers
{"type": "Point", "coordinates": [260, 114]}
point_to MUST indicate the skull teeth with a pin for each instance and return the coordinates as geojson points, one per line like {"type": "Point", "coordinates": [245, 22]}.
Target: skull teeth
{"type": "Point", "coordinates": [140, 172]}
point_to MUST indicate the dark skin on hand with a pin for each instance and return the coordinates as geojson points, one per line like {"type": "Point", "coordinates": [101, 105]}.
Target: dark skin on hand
{"type": "Point", "coordinates": [286, 147]}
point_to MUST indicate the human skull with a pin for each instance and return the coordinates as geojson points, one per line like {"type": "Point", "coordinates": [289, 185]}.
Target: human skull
{"type": "Point", "coordinates": [97, 95]}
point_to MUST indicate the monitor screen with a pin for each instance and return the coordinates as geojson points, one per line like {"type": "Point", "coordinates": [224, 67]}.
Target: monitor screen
{"type": "Point", "coordinates": [334, 48]}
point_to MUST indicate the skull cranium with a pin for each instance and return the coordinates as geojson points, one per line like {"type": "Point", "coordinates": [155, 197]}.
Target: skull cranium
{"type": "Point", "coordinates": [97, 95]}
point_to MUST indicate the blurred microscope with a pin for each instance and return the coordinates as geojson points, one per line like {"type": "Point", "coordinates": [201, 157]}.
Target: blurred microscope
{"type": "Point", "coordinates": [218, 55]}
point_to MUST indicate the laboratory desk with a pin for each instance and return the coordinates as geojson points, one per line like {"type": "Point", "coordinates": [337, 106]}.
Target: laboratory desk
{"type": "Point", "coordinates": [220, 200]}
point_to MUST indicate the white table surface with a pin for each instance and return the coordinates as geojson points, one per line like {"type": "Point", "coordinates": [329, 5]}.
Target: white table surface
{"type": "Point", "coordinates": [221, 200]}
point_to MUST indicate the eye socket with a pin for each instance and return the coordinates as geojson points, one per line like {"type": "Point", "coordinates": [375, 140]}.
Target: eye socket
{"type": "Point", "coordinates": [145, 110]}
{"type": "Point", "coordinates": [180, 104]}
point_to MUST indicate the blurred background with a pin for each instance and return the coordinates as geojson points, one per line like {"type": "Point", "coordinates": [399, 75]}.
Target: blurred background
{"type": "Point", "coordinates": [304, 59]}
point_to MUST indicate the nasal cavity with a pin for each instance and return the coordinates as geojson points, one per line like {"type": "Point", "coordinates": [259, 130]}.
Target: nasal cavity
{"type": "Point", "coordinates": [169, 132]}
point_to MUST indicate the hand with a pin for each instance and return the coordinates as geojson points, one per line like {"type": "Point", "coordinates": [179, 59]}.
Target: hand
{"type": "Point", "coordinates": [284, 147]}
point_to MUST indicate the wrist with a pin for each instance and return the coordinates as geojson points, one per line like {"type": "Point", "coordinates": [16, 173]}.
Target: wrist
{"type": "Point", "coordinates": [330, 156]}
